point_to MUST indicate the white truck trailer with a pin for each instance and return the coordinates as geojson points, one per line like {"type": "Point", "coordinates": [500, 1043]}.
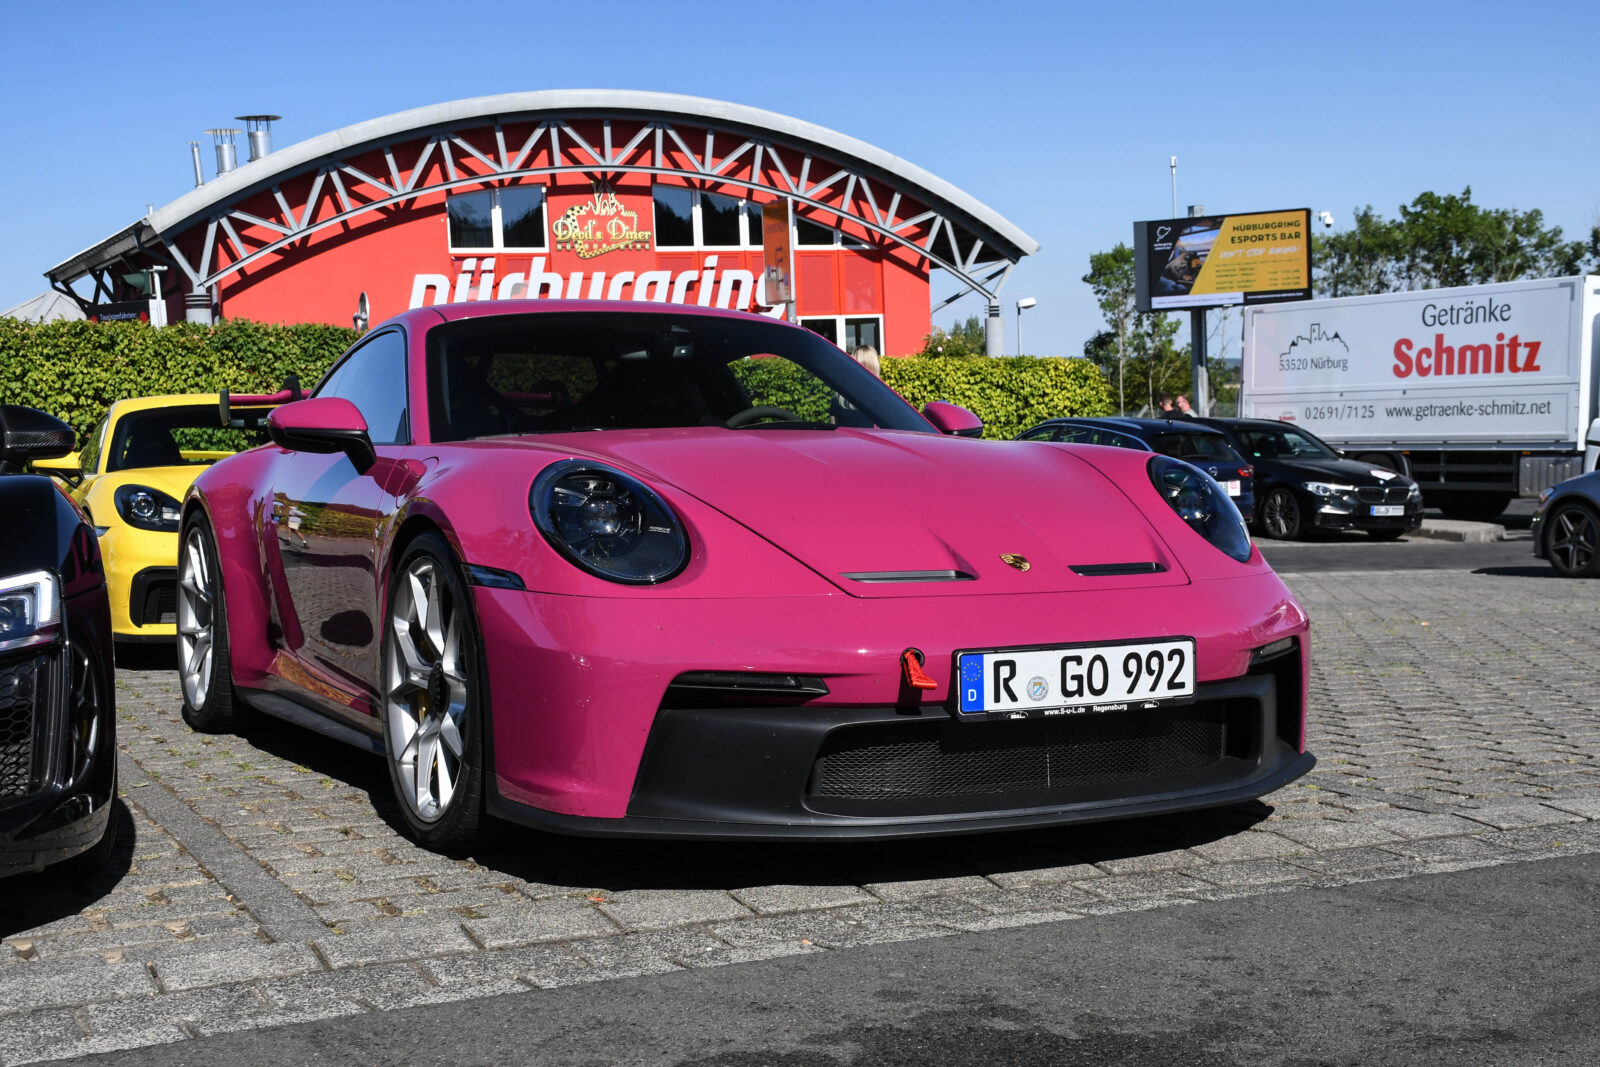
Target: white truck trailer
{"type": "Point", "coordinates": [1481, 393]}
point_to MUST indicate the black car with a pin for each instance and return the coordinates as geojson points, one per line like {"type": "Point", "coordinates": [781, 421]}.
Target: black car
{"type": "Point", "coordinates": [58, 770]}
{"type": "Point", "coordinates": [1304, 484]}
{"type": "Point", "coordinates": [1184, 438]}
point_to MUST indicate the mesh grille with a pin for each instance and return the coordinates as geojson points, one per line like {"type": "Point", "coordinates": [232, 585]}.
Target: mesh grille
{"type": "Point", "coordinates": [160, 603]}
{"type": "Point", "coordinates": [881, 761]}
{"type": "Point", "coordinates": [19, 685]}
{"type": "Point", "coordinates": [1394, 494]}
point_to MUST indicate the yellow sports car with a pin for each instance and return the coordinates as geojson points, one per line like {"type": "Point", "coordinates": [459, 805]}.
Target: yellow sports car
{"type": "Point", "coordinates": [131, 475]}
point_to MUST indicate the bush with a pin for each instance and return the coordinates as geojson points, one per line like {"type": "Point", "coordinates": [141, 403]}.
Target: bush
{"type": "Point", "coordinates": [1009, 394]}
{"type": "Point", "coordinates": [74, 370]}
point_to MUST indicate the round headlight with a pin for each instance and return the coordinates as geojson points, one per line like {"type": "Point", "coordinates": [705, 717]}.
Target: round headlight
{"type": "Point", "coordinates": [1202, 504]}
{"type": "Point", "coordinates": [148, 508]}
{"type": "Point", "coordinates": [613, 526]}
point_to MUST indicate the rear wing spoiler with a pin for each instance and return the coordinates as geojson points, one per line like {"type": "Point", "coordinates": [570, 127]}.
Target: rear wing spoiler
{"type": "Point", "coordinates": [257, 405]}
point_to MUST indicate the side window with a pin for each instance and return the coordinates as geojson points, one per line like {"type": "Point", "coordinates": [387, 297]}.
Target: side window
{"type": "Point", "coordinates": [1076, 435]}
{"type": "Point", "coordinates": [1122, 441]}
{"type": "Point", "coordinates": [373, 378]}
{"type": "Point", "coordinates": [1040, 433]}
{"type": "Point", "coordinates": [89, 454]}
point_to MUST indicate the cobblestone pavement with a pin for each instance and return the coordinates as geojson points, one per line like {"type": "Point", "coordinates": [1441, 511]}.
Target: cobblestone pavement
{"type": "Point", "coordinates": [261, 880]}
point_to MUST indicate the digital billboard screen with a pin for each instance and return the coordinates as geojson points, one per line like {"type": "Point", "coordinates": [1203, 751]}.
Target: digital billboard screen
{"type": "Point", "coordinates": [1262, 257]}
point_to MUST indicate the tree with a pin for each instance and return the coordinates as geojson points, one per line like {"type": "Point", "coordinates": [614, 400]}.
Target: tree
{"type": "Point", "coordinates": [967, 339]}
{"type": "Point", "coordinates": [1138, 348]}
{"type": "Point", "coordinates": [1111, 277]}
{"type": "Point", "coordinates": [1441, 241]}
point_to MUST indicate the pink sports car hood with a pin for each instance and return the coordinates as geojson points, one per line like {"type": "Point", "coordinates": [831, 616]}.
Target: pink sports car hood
{"type": "Point", "coordinates": [883, 514]}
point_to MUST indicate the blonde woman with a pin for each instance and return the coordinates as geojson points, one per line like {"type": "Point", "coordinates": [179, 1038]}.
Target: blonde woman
{"type": "Point", "coordinates": [842, 411]}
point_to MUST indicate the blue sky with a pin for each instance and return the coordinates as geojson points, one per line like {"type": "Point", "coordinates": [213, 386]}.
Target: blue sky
{"type": "Point", "coordinates": [1059, 116]}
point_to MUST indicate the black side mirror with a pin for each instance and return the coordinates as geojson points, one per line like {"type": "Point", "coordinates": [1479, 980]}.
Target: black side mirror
{"type": "Point", "coordinates": [27, 434]}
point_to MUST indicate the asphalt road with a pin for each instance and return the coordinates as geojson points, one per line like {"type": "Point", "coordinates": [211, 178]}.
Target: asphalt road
{"type": "Point", "coordinates": [1512, 557]}
{"type": "Point", "coordinates": [1488, 966]}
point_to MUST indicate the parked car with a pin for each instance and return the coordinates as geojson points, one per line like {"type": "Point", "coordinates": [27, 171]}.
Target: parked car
{"type": "Point", "coordinates": [1203, 446]}
{"type": "Point", "coordinates": [58, 770]}
{"type": "Point", "coordinates": [1566, 526]}
{"type": "Point", "coordinates": [135, 466]}
{"type": "Point", "coordinates": [1303, 484]}
{"type": "Point", "coordinates": [605, 568]}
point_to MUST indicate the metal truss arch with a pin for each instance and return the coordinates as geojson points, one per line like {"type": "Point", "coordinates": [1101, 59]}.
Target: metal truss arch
{"type": "Point", "coordinates": [269, 206]}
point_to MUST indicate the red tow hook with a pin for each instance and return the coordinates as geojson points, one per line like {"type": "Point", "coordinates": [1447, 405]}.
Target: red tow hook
{"type": "Point", "coordinates": [911, 660]}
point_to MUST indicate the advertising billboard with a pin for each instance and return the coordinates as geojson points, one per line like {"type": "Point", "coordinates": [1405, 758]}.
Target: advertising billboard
{"type": "Point", "coordinates": [1262, 257]}
{"type": "Point", "coordinates": [1488, 364]}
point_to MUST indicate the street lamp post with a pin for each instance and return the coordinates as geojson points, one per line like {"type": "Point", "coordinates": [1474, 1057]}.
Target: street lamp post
{"type": "Point", "coordinates": [1022, 305]}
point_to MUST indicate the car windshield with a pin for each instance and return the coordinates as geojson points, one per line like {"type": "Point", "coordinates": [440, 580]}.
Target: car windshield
{"type": "Point", "coordinates": [1196, 447]}
{"type": "Point", "coordinates": [1284, 443]}
{"type": "Point", "coordinates": [556, 372]}
{"type": "Point", "coordinates": [183, 435]}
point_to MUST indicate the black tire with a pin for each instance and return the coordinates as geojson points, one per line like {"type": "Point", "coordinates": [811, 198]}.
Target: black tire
{"type": "Point", "coordinates": [1473, 507]}
{"type": "Point", "coordinates": [1386, 535]}
{"type": "Point", "coordinates": [1572, 540]}
{"type": "Point", "coordinates": [431, 700]}
{"type": "Point", "coordinates": [91, 863]}
{"type": "Point", "coordinates": [90, 745]}
{"type": "Point", "coordinates": [205, 673]}
{"type": "Point", "coordinates": [1280, 515]}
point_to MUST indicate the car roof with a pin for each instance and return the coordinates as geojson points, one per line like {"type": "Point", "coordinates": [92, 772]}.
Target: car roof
{"type": "Point", "coordinates": [1135, 426]}
{"type": "Point", "coordinates": [1247, 423]}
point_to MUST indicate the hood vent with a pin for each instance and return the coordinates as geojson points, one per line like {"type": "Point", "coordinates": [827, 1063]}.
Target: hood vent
{"type": "Point", "coordinates": [909, 576]}
{"type": "Point", "coordinates": [1111, 570]}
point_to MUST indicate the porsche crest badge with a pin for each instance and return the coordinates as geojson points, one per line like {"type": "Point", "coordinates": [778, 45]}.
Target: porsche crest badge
{"type": "Point", "coordinates": [1011, 559]}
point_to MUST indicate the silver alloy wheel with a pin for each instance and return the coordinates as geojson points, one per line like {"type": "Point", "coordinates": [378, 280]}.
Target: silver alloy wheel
{"type": "Point", "coordinates": [425, 690]}
{"type": "Point", "coordinates": [196, 619]}
{"type": "Point", "coordinates": [1574, 539]}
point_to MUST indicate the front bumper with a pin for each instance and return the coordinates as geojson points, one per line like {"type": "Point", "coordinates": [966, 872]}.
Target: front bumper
{"type": "Point", "coordinates": [588, 734]}
{"type": "Point", "coordinates": [142, 576]}
{"type": "Point", "coordinates": [52, 806]}
{"type": "Point", "coordinates": [1355, 515]}
{"type": "Point", "coordinates": [811, 774]}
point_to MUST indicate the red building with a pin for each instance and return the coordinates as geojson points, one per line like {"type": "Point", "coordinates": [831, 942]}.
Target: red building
{"type": "Point", "coordinates": [590, 193]}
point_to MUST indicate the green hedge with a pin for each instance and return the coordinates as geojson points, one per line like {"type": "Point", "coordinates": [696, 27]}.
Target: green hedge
{"type": "Point", "coordinates": [1009, 394]}
{"type": "Point", "coordinates": [74, 370]}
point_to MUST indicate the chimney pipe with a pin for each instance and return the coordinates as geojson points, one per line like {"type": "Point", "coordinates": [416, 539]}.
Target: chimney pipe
{"type": "Point", "coordinates": [227, 156]}
{"type": "Point", "coordinates": [260, 127]}
{"type": "Point", "coordinates": [199, 175]}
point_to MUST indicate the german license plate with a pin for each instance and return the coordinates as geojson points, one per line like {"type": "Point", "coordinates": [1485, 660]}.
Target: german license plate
{"type": "Point", "coordinates": [1388, 511]}
{"type": "Point", "coordinates": [1232, 487]}
{"type": "Point", "coordinates": [1020, 683]}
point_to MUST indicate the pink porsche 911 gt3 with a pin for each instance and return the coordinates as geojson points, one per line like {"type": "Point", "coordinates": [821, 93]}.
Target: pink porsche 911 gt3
{"type": "Point", "coordinates": [660, 570]}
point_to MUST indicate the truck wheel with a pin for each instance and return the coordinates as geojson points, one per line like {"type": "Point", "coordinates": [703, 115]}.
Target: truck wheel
{"type": "Point", "coordinates": [1573, 543]}
{"type": "Point", "coordinates": [1280, 515]}
{"type": "Point", "coordinates": [1474, 507]}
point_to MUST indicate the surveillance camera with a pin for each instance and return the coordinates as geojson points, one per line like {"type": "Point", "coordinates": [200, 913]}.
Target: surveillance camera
{"type": "Point", "coordinates": [1326, 218]}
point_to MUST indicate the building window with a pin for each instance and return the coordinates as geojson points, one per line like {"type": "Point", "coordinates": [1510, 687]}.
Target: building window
{"type": "Point", "coordinates": [501, 220]}
{"type": "Point", "coordinates": [692, 218]}
{"type": "Point", "coordinates": [849, 332]}
{"type": "Point", "coordinates": [808, 234]}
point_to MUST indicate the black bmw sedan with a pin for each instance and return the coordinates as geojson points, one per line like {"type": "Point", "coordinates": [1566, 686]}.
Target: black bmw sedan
{"type": "Point", "coordinates": [1303, 484]}
{"type": "Point", "coordinates": [58, 771]}
{"type": "Point", "coordinates": [1184, 438]}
